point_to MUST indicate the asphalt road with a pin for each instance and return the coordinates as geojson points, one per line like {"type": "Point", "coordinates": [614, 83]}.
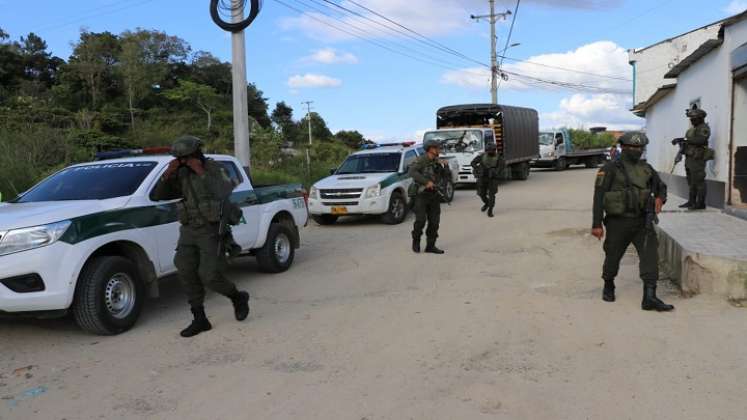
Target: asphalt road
{"type": "Point", "coordinates": [509, 324]}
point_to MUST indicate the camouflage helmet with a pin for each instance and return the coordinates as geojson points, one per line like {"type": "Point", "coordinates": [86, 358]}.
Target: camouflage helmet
{"type": "Point", "coordinates": [491, 147]}
{"type": "Point", "coordinates": [431, 143]}
{"type": "Point", "coordinates": [185, 146]}
{"type": "Point", "coordinates": [696, 113]}
{"type": "Point", "coordinates": [634, 138]}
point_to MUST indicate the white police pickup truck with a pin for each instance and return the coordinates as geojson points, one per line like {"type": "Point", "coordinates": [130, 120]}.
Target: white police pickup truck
{"type": "Point", "coordinates": [373, 181]}
{"type": "Point", "coordinates": [90, 240]}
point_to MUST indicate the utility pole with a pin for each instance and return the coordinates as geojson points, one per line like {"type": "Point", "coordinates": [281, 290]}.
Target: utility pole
{"type": "Point", "coordinates": [493, 19]}
{"type": "Point", "coordinates": [308, 119]}
{"type": "Point", "coordinates": [240, 106]}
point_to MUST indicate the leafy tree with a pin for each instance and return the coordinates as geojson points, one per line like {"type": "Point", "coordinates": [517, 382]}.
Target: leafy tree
{"type": "Point", "coordinates": [352, 139]}
{"type": "Point", "coordinates": [39, 65]}
{"type": "Point", "coordinates": [11, 62]}
{"type": "Point", "coordinates": [92, 61]}
{"type": "Point", "coordinates": [257, 105]}
{"type": "Point", "coordinates": [319, 129]}
{"type": "Point", "coordinates": [282, 116]}
{"type": "Point", "coordinates": [144, 61]}
{"type": "Point", "coordinates": [202, 96]}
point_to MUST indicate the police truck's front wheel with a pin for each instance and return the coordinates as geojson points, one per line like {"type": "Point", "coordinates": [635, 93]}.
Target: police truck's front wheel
{"type": "Point", "coordinates": [109, 296]}
{"type": "Point", "coordinates": [397, 209]}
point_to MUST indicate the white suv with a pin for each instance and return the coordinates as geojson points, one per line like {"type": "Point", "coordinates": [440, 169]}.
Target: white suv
{"type": "Point", "coordinates": [373, 181]}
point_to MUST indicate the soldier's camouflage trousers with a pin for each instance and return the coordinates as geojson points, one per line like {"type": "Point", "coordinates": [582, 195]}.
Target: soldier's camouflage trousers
{"type": "Point", "coordinates": [199, 265]}
{"type": "Point", "coordinates": [487, 189]}
{"type": "Point", "coordinates": [696, 181]}
{"type": "Point", "coordinates": [621, 232]}
{"type": "Point", "coordinates": [427, 208]}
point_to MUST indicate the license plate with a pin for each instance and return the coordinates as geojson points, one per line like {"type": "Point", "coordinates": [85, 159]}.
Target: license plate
{"type": "Point", "coordinates": [339, 210]}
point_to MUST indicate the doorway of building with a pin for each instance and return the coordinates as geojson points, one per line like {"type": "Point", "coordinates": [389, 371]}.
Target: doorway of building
{"type": "Point", "coordinates": [739, 144]}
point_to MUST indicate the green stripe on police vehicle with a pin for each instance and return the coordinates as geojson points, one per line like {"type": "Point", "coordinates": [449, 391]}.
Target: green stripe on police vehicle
{"type": "Point", "coordinates": [104, 223]}
{"type": "Point", "coordinates": [393, 179]}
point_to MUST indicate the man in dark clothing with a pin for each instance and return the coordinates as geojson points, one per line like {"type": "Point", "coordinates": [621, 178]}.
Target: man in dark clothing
{"type": "Point", "coordinates": [426, 172]}
{"type": "Point", "coordinates": [204, 188]}
{"type": "Point", "coordinates": [487, 168]}
{"type": "Point", "coordinates": [628, 195]}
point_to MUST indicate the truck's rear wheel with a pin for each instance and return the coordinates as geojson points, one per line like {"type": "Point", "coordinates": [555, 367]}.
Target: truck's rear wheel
{"type": "Point", "coordinates": [592, 162]}
{"type": "Point", "coordinates": [397, 209]}
{"type": "Point", "coordinates": [561, 164]}
{"type": "Point", "coordinates": [109, 296]}
{"type": "Point", "coordinates": [520, 171]}
{"type": "Point", "coordinates": [325, 219]}
{"type": "Point", "coordinates": [278, 252]}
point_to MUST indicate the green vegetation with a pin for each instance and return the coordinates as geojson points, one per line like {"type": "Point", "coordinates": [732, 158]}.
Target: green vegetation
{"type": "Point", "coordinates": [137, 89]}
{"type": "Point", "coordinates": [583, 139]}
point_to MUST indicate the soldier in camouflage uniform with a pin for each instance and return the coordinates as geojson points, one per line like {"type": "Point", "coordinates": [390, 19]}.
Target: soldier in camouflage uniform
{"type": "Point", "coordinates": [626, 194]}
{"type": "Point", "coordinates": [204, 188]}
{"type": "Point", "coordinates": [696, 155]}
{"type": "Point", "coordinates": [487, 168]}
{"type": "Point", "coordinates": [425, 172]}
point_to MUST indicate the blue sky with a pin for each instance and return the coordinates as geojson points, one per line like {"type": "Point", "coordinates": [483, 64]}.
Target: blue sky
{"type": "Point", "coordinates": [358, 85]}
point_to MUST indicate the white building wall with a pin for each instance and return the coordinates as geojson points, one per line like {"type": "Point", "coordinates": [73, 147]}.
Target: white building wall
{"type": "Point", "coordinates": [652, 63]}
{"type": "Point", "coordinates": [708, 80]}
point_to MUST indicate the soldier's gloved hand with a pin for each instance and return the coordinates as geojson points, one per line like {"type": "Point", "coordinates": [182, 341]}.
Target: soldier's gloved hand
{"type": "Point", "coordinates": [659, 204]}
{"type": "Point", "coordinates": [196, 165]}
{"type": "Point", "coordinates": [430, 185]}
{"type": "Point", "coordinates": [597, 232]}
{"type": "Point", "coordinates": [171, 169]}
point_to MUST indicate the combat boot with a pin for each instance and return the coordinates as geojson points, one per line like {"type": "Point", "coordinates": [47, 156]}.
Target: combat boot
{"type": "Point", "coordinates": [490, 212]}
{"type": "Point", "coordinates": [686, 205]}
{"type": "Point", "coordinates": [432, 249]}
{"type": "Point", "coordinates": [608, 293]}
{"type": "Point", "coordinates": [651, 302]}
{"type": "Point", "coordinates": [198, 325]}
{"type": "Point", "coordinates": [484, 207]}
{"type": "Point", "coordinates": [416, 244]}
{"type": "Point", "coordinates": [240, 300]}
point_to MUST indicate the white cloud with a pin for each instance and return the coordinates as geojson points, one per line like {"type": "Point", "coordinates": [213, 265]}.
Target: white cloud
{"type": "Point", "coordinates": [579, 110]}
{"type": "Point", "coordinates": [313, 81]}
{"type": "Point", "coordinates": [586, 63]}
{"type": "Point", "coordinates": [736, 7]}
{"type": "Point", "coordinates": [429, 17]}
{"type": "Point", "coordinates": [331, 56]}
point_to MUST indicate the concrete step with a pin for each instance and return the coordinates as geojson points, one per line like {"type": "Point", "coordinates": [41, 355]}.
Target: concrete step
{"type": "Point", "coordinates": [704, 251]}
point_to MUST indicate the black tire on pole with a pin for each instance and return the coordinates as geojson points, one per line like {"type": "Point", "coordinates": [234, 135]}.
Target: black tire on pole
{"type": "Point", "coordinates": [234, 26]}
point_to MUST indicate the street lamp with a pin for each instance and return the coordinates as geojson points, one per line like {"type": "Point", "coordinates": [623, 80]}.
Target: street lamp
{"type": "Point", "coordinates": [516, 44]}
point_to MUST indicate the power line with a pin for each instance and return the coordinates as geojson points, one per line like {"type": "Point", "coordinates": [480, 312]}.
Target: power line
{"type": "Point", "coordinates": [362, 31]}
{"type": "Point", "coordinates": [380, 45]}
{"type": "Point", "coordinates": [508, 38]}
{"type": "Point", "coordinates": [94, 15]}
{"type": "Point", "coordinates": [534, 80]}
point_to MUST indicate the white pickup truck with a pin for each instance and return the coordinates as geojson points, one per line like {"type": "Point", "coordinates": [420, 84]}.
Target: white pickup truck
{"type": "Point", "coordinates": [373, 181]}
{"type": "Point", "coordinates": [90, 240]}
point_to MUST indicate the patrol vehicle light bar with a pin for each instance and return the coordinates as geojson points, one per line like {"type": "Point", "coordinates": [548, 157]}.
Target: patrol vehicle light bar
{"type": "Point", "coordinates": [375, 146]}
{"type": "Point", "coordinates": [118, 154]}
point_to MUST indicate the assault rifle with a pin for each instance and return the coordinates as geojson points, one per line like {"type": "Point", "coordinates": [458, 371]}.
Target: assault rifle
{"type": "Point", "coordinates": [222, 229]}
{"type": "Point", "coordinates": [682, 143]}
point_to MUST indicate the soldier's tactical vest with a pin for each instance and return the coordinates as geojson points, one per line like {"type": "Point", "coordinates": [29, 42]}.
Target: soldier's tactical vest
{"type": "Point", "coordinates": [201, 205]}
{"type": "Point", "coordinates": [490, 166]}
{"type": "Point", "coordinates": [429, 170]}
{"type": "Point", "coordinates": [628, 200]}
{"type": "Point", "coordinates": [696, 152]}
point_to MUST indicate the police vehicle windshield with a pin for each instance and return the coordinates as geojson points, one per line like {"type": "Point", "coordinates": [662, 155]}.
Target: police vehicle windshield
{"type": "Point", "coordinates": [90, 182]}
{"type": "Point", "coordinates": [370, 163]}
{"type": "Point", "coordinates": [457, 141]}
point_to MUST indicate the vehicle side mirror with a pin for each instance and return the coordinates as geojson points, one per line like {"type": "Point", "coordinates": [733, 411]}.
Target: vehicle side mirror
{"type": "Point", "coordinates": [332, 171]}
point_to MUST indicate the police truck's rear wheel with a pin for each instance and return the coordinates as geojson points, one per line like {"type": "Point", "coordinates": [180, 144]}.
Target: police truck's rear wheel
{"type": "Point", "coordinates": [278, 252]}
{"type": "Point", "coordinates": [397, 209]}
{"type": "Point", "coordinates": [109, 296]}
